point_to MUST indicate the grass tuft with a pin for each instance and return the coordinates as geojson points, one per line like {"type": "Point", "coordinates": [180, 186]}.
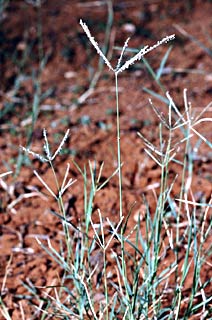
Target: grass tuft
{"type": "Point", "coordinates": [152, 260]}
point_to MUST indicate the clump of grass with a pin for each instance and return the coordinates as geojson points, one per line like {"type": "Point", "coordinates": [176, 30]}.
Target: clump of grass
{"type": "Point", "coordinates": [153, 289]}
{"type": "Point", "coordinates": [143, 283]}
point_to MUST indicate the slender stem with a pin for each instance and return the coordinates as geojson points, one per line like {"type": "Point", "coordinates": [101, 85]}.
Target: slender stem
{"type": "Point", "coordinates": [118, 147]}
{"type": "Point", "coordinates": [105, 283]}
{"type": "Point", "coordinates": [124, 273]}
{"type": "Point", "coordinates": [62, 212]}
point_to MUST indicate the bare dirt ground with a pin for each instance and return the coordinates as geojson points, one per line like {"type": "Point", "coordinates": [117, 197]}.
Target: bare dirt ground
{"type": "Point", "coordinates": [70, 64]}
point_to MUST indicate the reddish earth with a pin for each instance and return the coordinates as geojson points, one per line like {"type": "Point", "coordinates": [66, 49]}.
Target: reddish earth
{"type": "Point", "coordinates": [71, 62]}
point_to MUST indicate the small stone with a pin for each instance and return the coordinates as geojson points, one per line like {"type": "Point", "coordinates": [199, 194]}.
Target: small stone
{"type": "Point", "coordinates": [70, 74]}
{"type": "Point", "coordinates": [21, 46]}
{"type": "Point", "coordinates": [129, 27]}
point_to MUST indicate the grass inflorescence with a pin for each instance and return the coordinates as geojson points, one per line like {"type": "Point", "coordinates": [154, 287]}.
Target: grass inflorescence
{"type": "Point", "coordinates": [142, 283]}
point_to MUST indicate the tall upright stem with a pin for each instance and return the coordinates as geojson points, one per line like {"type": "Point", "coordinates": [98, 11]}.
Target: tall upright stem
{"type": "Point", "coordinates": [118, 146]}
{"type": "Point", "coordinates": [123, 263]}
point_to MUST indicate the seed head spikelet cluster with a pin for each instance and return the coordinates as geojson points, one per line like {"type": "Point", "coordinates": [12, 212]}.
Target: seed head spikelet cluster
{"type": "Point", "coordinates": [34, 154]}
{"type": "Point", "coordinates": [144, 51]}
{"type": "Point", "coordinates": [5, 174]}
{"type": "Point", "coordinates": [129, 62]}
{"type": "Point", "coordinates": [49, 157]}
{"type": "Point", "coordinates": [95, 44]}
{"type": "Point", "coordinates": [46, 145]}
{"type": "Point", "coordinates": [61, 144]}
{"type": "Point", "coordinates": [122, 53]}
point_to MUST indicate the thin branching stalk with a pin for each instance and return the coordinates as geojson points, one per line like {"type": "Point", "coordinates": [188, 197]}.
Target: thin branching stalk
{"type": "Point", "coordinates": [58, 196]}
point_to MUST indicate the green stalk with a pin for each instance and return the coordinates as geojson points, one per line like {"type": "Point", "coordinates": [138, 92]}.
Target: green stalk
{"type": "Point", "coordinates": [118, 147]}
{"type": "Point", "coordinates": [124, 273]}
{"type": "Point", "coordinates": [178, 297]}
{"type": "Point", "coordinates": [182, 190]}
{"type": "Point", "coordinates": [62, 212]}
{"type": "Point", "coordinates": [105, 283]}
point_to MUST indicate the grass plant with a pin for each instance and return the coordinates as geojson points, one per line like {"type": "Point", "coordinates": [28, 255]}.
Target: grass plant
{"type": "Point", "coordinates": [142, 284]}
